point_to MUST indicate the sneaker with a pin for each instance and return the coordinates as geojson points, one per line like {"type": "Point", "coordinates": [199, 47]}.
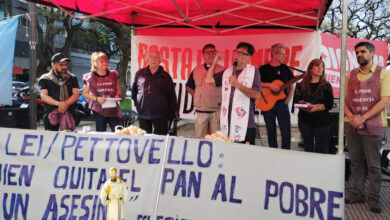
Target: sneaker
{"type": "Point", "coordinates": [355, 199]}
{"type": "Point", "coordinates": [375, 206]}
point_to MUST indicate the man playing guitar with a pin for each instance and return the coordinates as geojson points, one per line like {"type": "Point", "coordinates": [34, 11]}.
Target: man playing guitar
{"type": "Point", "coordinates": [276, 70]}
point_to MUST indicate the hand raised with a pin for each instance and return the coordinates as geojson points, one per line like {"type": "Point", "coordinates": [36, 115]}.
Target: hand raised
{"type": "Point", "coordinates": [219, 57]}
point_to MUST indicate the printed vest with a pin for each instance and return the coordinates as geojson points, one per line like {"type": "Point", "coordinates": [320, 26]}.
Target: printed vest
{"type": "Point", "coordinates": [361, 97]}
{"type": "Point", "coordinates": [103, 87]}
{"type": "Point", "coordinates": [207, 97]}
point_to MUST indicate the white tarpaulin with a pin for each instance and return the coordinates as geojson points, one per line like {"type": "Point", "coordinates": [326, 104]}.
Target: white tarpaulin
{"type": "Point", "coordinates": [48, 175]}
{"type": "Point", "coordinates": [7, 47]}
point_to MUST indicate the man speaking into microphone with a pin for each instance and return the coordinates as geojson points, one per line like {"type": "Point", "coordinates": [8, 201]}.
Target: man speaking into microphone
{"type": "Point", "coordinates": [241, 86]}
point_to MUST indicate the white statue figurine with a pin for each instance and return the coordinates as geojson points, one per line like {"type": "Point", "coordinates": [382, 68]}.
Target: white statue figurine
{"type": "Point", "coordinates": [113, 195]}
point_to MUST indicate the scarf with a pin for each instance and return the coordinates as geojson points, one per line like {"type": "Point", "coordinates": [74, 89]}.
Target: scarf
{"type": "Point", "coordinates": [61, 81]}
{"type": "Point", "coordinates": [240, 106]}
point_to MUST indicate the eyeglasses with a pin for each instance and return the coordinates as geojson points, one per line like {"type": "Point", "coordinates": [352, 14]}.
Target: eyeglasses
{"type": "Point", "coordinates": [237, 52]}
{"type": "Point", "coordinates": [210, 52]}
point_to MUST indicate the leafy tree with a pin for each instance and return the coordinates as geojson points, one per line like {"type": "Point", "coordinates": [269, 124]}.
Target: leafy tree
{"type": "Point", "coordinates": [111, 38]}
{"type": "Point", "coordinates": [86, 35]}
{"type": "Point", "coordinates": [96, 37]}
{"type": "Point", "coordinates": [52, 22]}
{"type": "Point", "coordinates": [122, 42]}
{"type": "Point", "coordinates": [367, 19]}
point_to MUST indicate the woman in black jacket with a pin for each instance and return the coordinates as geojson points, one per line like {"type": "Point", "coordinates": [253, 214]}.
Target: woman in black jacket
{"type": "Point", "coordinates": [315, 95]}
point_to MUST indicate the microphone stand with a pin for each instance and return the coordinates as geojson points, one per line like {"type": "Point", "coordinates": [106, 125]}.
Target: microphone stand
{"type": "Point", "coordinates": [301, 71]}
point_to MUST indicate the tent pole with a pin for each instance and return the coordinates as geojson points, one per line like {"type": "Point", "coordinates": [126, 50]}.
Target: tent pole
{"type": "Point", "coordinates": [243, 6]}
{"type": "Point", "coordinates": [32, 72]}
{"type": "Point", "coordinates": [319, 14]}
{"type": "Point", "coordinates": [342, 77]}
{"type": "Point", "coordinates": [274, 9]}
{"type": "Point", "coordinates": [163, 164]}
{"type": "Point", "coordinates": [180, 11]}
{"type": "Point", "coordinates": [261, 21]}
{"type": "Point", "coordinates": [204, 13]}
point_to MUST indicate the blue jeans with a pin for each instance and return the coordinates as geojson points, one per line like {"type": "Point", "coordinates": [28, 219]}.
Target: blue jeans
{"type": "Point", "coordinates": [101, 122]}
{"type": "Point", "coordinates": [315, 139]}
{"type": "Point", "coordinates": [281, 113]}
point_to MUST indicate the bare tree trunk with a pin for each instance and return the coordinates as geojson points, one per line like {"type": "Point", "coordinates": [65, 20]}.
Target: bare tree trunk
{"type": "Point", "coordinates": [44, 39]}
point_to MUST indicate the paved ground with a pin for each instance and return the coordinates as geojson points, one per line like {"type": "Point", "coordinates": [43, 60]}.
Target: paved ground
{"type": "Point", "coordinates": [361, 211]}
{"type": "Point", "coordinates": [352, 212]}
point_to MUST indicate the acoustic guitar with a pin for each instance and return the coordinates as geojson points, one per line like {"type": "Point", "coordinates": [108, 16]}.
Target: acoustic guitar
{"type": "Point", "coordinates": [268, 98]}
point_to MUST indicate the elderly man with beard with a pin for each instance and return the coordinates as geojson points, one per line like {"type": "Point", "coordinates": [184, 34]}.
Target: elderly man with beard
{"type": "Point", "coordinates": [367, 95]}
{"type": "Point", "coordinates": [59, 92]}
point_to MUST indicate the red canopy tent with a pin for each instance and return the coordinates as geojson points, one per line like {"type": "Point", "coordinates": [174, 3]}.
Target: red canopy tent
{"type": "Point", "coordinates": [207, 17]}
{"type": "Point", "coordinates": [204, 17]}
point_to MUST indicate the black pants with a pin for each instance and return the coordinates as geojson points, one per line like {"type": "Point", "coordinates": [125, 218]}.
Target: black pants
{"type": "Point", "coordinates": [154, 126]}
{"type": "Point", "coordinates": [315, 139]}
{"type": "Point", "coordinates": [250, 136]}
{"type": "Point", "coordinates": [101, 122]}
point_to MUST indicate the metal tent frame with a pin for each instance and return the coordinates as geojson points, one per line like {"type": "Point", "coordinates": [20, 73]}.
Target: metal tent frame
{"type": "Point", "coordinates": [173, 16]}
{"type": "Point", "coordinates": [144, 14]}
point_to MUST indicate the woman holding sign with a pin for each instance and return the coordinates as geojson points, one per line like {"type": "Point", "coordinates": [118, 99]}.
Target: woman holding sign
{"type": "Point", "coordinates": [101, 88]}
{"type": "Point", "coordinates": [314, 97]}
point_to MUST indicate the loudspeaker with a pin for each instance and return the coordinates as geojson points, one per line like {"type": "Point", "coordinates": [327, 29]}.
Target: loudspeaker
{"type": "Point", "coordinates": [14, 118]}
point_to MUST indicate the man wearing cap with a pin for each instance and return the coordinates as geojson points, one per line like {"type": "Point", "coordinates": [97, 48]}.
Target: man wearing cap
{"type": "Point", "coordinates": [59, 92]}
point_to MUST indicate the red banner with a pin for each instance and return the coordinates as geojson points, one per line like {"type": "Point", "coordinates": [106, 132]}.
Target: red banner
{"type": "Point", "coordinates": [181, 54]}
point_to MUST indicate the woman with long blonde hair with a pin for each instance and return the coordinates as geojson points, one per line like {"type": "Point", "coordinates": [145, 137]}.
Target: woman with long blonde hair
{"type": "Point", "coordinates": [316, 96]}
{"type": "Point", "coordinates": [101, 85]}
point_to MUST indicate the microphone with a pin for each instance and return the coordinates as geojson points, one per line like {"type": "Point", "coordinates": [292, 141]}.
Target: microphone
{"type": "Point", "coordinates": [235, 67]}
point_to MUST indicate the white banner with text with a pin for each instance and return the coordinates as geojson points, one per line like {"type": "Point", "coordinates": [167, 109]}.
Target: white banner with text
{"type": "Point", "coordinates": [49, 175]}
